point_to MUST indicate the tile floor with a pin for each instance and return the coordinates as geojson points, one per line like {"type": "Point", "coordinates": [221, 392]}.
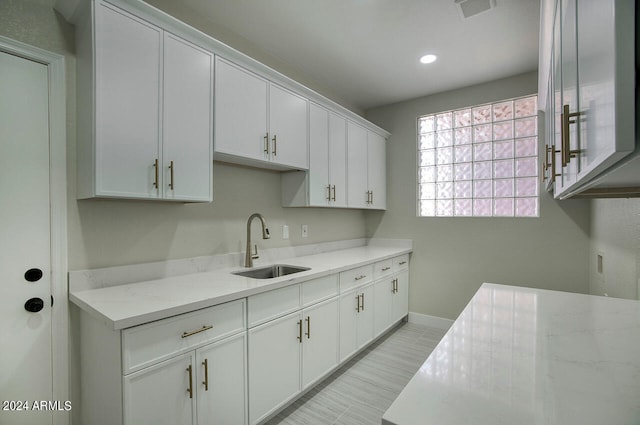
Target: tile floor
{"type": "Point", "coordinates": [361, 391]}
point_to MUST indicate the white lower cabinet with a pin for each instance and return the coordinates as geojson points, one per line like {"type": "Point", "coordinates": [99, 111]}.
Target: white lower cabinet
{"type": "Point", "coordinates": [288, 354]}
{"type": "Point", "coordinates": [391, 296]}
{"type": "Point", "coordinates": [356, 319]}
{"type": "Point", "coordinates": [210, 381]}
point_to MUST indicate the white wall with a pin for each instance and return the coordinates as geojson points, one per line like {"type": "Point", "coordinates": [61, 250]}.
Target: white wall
{"type": "Point", "coordinates": [453, 256]}
{"type": "Point", "coordinates": [615, 235]}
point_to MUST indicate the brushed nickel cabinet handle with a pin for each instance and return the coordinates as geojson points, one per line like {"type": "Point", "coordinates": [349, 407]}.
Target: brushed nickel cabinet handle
{"type": "Point", "coordinates": [155, 166]}
{"type": "Point", "coordinates": [190, 389]}
{"type": "Point", "coordinates": [197, 331]}
{"type": "Point", "coordinates": [359, 277]}
{"type": "Point", "coordinates": [372, 196]}
{"type": "Point", "coordinates": [402, 262]}
{"type": "Point", "coordinates": [567, 118]}
{"type": "Point", "coordinates": [275, 145]}
{"type": "Point", "coordinates": [334, 192]}
{"type": "Point", "coordinates": [300, 331]}
{"type": "Point", "coordinates": [328, 192]}
{"type": "Point", "coordinates": [384, 269]}
{"type": "Point", "coordinates": [266, 144]}
{"type": "Point", "coordinates": [362, 302]}
{"type": "Point", "coordinates": [308, 334]}
{"type": "Point", "coordinates": [358, 303]}
{"type": "Point", "coordinates": [171, 175]}
{"type": "Point", "coordinates": [205, 363]}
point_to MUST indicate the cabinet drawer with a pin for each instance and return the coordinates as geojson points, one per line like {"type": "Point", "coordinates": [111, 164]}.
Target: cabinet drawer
{"type": "Point", "coordinates": [401, 263]}
{"type": "Point", "coordinates": [319, 289]}
{"type": "Point", "coordinates": [356, 277]}
{"type": "Point", "coordinates": [382, 268]}
{"type": "Point", "coordinates": [269, 305]}
{"type": "Point", "coordinates": [152, 342]}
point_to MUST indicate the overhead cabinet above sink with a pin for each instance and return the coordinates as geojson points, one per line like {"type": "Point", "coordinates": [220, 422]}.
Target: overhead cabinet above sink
{"type": "Point", "coordinates": [258, 121]}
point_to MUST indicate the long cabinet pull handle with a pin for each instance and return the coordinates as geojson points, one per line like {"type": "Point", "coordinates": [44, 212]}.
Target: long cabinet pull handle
{"type": "Point", "coordinates": [300, 331]}
{"type": "Point", "coordinates": [334, 192]}
{"type": "Point", "coordinates": [205, 363]}
{"type": "Point", "coordinates": [155, 179]}
{"type": "Point", "coordinates": [266, 143]}
{"type": "Point", "coordinates": [275, 145]}
{"type": "Point", "coordinates": [171, 175]}
{"type": "Point", "coordinates": [362, 302]}
{"type": "Point", "coordinates": [308, 319]}
{"type": "Point", "coordinates": [190, 389]}
{"type": "Point", "coordinates": [328, 192]}
{"type": "Point", "coordinates": [372, 196]}
{"type": "Point", "coordinates": [358, 303]}
{"type": "Point", "coordinates": [567, 118]}
{"type": "Point", "coordinates": [197, 331]}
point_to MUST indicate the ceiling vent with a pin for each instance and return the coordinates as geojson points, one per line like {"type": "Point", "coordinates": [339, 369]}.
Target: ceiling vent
{"type": "Point", "coordinates": [469, 8]}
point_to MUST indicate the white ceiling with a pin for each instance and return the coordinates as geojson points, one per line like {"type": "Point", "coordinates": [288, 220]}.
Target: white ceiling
{"type": "Point", "coordinates": [368, 50]}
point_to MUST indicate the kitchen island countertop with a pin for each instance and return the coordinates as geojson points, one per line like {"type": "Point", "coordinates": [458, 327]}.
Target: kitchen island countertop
{"type": "Point", "coordinates": [530, 357]}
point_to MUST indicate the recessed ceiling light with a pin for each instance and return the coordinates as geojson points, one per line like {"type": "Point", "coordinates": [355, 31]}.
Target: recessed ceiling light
{"type": "Point", "coordinates": [428, 58]}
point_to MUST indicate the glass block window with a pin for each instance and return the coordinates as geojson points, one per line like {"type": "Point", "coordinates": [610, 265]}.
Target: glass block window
{"type": "Point", "coordinates": [480, 161]}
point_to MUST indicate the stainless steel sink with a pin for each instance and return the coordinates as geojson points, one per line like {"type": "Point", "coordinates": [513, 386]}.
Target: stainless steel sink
{"type": "Point", "coordinates": [270, 272]}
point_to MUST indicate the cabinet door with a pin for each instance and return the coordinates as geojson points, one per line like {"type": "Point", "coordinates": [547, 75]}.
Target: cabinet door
{"type": "Point", "coordinates": [274, 364]}
{"type": "Point", "coordinates": [383, 293]}
{"type": "Point", "coordinates": [559, 180]}
{"type": "Point", "coordinates": [128, 60]}
{"type": "Point", "coordinates": [159, 394]}
{"type": "Point", "coordinates": [377, 170]}
{"type": "Point", "coordinates": [400, 304]}
{"type": "Point", "coordinates": [288, 128]}
{"type": "Point", "coordinates": [569, 57]}
{"type": "Point", "coordinates": [349, 302]}
{"type": "Point", "coordinates": [357, 196]}
{"type": "Point", "coordinates": [365, 316]}
{"type": "Point", "coordinates": [187, 121]}
{"type": "Point", "coordinates": [222, 382]}
{"type": "Point", "coordinates": [338, 159]}
{"type": "Point", "coordinates": [240, 112]}
{"type": "Point", "coordinates": [320, 342]}
{"type": "Point", "coordinates": [318, 156]}
{"type": "Point", "coordinates": [605, 61]}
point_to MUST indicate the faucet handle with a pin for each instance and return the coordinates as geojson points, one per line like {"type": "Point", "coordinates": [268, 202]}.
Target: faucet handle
{"type": "Point", "coordinates": [255, 255]}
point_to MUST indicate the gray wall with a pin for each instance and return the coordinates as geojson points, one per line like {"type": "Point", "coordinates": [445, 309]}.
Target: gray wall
{"type": "Point", "coordinates": [615, 235]}
{"type": "Point", "coordinates": [453, 256]}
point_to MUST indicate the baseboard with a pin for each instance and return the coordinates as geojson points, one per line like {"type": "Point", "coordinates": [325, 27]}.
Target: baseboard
{"type": "Point", "coordinates": [433, 321]}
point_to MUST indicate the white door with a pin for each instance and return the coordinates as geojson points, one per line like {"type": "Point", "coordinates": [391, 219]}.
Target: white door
{"type": "Point", "coordinates": [377, 169]}
{"type": "Point", "coordinates": [401, 297]}
{"type": "Point", "coordinates": [357, 185]}
{"type": "Point", "coordinates": [349, 310]}
{"type": "Point", "coordinates": [240, 126]}
{"type": "Point", "coordinates": [320, 341]}
{"type": "Point", "coordinates": [222, 382]}
{"type": "Point", "coordinates": [25, 257]}
{"type": "Point", "coordinates": [338, 160]}
{"type": "Point", "coordinates": [128, 65]}
{"type": "Point", "coordinates": [364, 325]}
{"type": "Point", "coordinates": [162, 394]}
{"type": "Point", "coordinates": [288, 128]}
{"type": "Point", "coordinates": [318, 156]}
{"type": "Point", "coordinates": [187, 130]}
{"type": "Point", "coordinates": [383, 293]}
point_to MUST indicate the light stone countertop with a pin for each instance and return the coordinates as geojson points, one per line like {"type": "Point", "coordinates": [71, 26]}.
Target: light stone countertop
{"type": "Point", "coordinates": [132, 304]}
{"type": "Point", "coordinates": [530, 357]}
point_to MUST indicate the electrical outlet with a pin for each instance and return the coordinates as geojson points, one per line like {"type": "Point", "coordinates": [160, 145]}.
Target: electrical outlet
{"type": "Point", "coordinates": [285, 231]}
{"type": "Point", "coordinates": [305, 230]}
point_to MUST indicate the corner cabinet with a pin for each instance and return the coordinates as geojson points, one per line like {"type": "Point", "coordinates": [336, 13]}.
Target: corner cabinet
{"type": "Point", "coordinates": [257, 121]}
{"type": "Point", "coordinates": [145, 103]}
{"type": "Point", "coordinates": [590, 62]}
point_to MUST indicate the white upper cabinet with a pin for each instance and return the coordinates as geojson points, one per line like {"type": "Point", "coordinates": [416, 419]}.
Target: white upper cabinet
{"type": "Point", "coordinates": [366, 168]}
{"type": "Point", "coordinates": [258, 122]}
{"type": "Point", "coordinates": [325, 185]}
{"type": "Point", "coordinates": [592, 68]}
{"type": "Point", "coordinates": [128, 59]}
{"type": "Point", "coordinates": [145, 111]}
